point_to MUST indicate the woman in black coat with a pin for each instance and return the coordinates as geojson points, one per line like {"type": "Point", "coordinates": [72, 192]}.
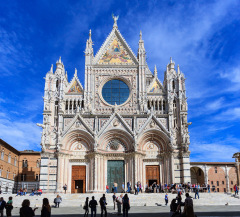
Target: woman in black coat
{"type": "Point", "coordinates": [86, 207]}
{"type": "Point", "coordinates": [26, 210]}
{"type": "Point", "coordinates": [46, 209]}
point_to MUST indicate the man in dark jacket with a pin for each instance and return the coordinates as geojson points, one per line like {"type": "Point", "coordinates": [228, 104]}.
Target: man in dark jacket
{"type": "Point", "coordinates": [93, 205]}
{"type": "Point", "coordinates": [2, 206]}
{"type": "Point", "coordinates": [103, 204]}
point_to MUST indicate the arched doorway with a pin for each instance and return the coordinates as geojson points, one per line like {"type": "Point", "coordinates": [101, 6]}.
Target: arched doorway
{"type": "Point", "coordinates": [197, 175]}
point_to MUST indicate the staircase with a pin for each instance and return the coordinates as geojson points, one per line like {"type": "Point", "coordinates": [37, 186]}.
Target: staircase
{"type": "Point", "coordinates": [144, 199]}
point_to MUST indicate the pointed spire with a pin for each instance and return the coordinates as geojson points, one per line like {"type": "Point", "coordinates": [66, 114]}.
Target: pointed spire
{"type": "Point", "coordinates": [178, 69]}
{"type": "Point", "coordinates": [171, 64]}
{"type": "Point", "coordinates": [90, 35]}
{"type": "Point", "coordinates": [51, 70]}
{"type": "Point", "coordinates": [155, 71]}
{"type": "Point", "coordinates": [75, 74]}
{"type": "Point", "coordinates": [66, 75]}
{"type": "Point", "coordinates": [59, 61]}
{"type": "Point", "coordinates": [140, 35]}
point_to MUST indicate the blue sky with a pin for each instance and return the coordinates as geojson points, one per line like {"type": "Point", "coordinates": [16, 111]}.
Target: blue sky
{"type": "Point", "coordinates": [203, 37]}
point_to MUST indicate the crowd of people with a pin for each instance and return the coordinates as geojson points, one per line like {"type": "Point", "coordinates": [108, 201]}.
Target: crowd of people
{"type": "Point", "coordinates": [163, 188]}
{"type": "Point", "coordinates": [23, 192]}
{"type": "Point", "coordinates": [122, 203]}
{"type": "Point", "coordinates": [178, 207]}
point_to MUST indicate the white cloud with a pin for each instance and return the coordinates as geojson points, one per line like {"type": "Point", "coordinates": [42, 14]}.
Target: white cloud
{"type": "Point", "coordinates": [232, 114]}
{"type": "Point", "coordinates": [233, 75]}
{"type": "Point", "coordinates": [21, 134]}
{"type": "Point", "coordinates": [212, 152]}
{"type": "Point", "coordinates": [216, 104]}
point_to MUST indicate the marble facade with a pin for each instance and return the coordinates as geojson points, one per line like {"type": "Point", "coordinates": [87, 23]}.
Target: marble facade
{"type": "Point", "coordinates": [82, 128]}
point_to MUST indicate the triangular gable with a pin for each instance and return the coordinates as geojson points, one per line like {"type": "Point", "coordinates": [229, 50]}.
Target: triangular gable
{"type": "Point", "coordinates": [116, 54]}
{"type": "Point", "coordinates": [155, 87]}
{"type": "Point", "coordinates": [153, 123]}
{"type": "Point", "coordinates": [115, 51]}
{"type": "Point", "coordinates": [79, 124]}
{"type": "Point", "coordinates": [75, 86]}
{"type": "Point", "coordinates": [115, 122]}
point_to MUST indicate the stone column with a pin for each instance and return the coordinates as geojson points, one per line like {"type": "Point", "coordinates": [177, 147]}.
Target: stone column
{"type": "Point", "coordinates": [186, 168]}
{"type": "Point", "coordinates": [238, 178]}
{"type": "Point", "coordinates": [205, 174]}
{"type": "Point", "coordinates": [172, 168]}
{"type": "Point", "coordinates": [227, 179]}
{"type": "Point", "coordinates": [44, 174]}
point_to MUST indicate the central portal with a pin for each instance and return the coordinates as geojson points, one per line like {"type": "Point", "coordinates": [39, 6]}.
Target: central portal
{"type": "Point", "coordinates": [78, 179]}
{"type": "Point", "coordinates": [152, 175]}
{"type": "Point", "coordinates": [115, 173]}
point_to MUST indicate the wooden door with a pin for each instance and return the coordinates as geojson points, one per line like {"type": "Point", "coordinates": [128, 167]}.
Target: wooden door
{"type": "Point", "coordinates": [152, 174]}
{"type": "Point", "coordinates": [78, 179]}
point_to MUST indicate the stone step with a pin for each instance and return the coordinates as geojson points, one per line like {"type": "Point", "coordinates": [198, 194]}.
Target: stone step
{"type": "Point", "coordinates": [144, 199]}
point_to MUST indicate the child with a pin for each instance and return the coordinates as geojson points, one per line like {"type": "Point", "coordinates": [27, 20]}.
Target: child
{"type": "Point", "coordinates": [166, 199]}
{"type": "Point", "coordinates": [9, 207]}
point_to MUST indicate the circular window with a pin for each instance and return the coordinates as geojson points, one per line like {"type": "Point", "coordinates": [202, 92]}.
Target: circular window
{"type": "Point", "coordinates": [115, 91]}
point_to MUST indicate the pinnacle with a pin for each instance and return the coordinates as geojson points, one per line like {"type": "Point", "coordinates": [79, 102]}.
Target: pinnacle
{"type": "Point", "coordinates": [140, 36]}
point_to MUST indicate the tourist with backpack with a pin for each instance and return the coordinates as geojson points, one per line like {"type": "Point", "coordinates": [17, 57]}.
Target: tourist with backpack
{"type": "Point", "coordinates": [103, 203]}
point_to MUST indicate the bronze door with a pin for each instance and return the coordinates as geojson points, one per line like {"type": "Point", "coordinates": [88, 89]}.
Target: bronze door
{"type": "Point", "coordinates": [115, 173]}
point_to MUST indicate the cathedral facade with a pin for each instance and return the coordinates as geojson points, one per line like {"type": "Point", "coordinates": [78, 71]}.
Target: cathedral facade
{"type": "Point", "coordinates": [123, 125]}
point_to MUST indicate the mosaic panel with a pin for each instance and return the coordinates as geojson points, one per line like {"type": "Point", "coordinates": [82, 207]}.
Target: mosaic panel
{"type": "Point", "coordinates": [115, 54]}
{"type": "Point", "coordinates": [155, 88]}
{"type": "Point", "coordinates": [75, 88]}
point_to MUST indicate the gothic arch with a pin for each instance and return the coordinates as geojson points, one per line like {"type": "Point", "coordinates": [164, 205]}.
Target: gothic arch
{"type": "Point", "coordinates": [158, 137]}
{"type": "Point", "coordinates": [77, 136]}
{"type": "Point", "coordinates": [124, 137]}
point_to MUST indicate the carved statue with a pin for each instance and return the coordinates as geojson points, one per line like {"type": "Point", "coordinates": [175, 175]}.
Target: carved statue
{"type": "Point", "coordinates": [115, 18]}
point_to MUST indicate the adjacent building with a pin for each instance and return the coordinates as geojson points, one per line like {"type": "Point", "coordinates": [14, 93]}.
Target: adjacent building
{"type": "Point", "coordinates": [18, 169]}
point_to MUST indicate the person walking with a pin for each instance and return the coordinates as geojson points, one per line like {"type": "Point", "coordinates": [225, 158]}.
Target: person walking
{"type": "Point", "coordinates": [196, 193]}
{"type": "Point", "coordinates": [57, 201]}
{"type": "Point", "coordinates": [235, 189]}
{"type": "Point", "coordinates": [136, 189]}
{"type": "Point", "coordinates": [128, 187]}
{"type": "Point", "coordinates": [140, 187]}
{"type": "Point", "coordinates": [126, 205]}
{"type": "Point", "coordinates": [208, 187]}
{"type": "Point", "coordinates": [103, 203]}
{"type": "Point", "coordinates": [119, 204]}
{"type": "Point", "coordinates": [2, 205]}
{"type": "Point", "coordinates": [93, 205]}
{"type": "Point", "coordinates": [114, 201]}
{"type": "Point", "coordinates": [123, 188]}
{"type": "Point", "coordinates": [26, 210]}
{"type": "Point", "coordinates": [65, 188]}
{"type": "Point", "coordinates": [107, 189]}
{"type": "Point", "coordinates": [115, 187]}
{"type": "Point", "coordinates": [9, 207]}
{"type": "Point", "coordinates": [166, 199]}
{"type": "Point", "coordinates": [46, 208]}
{"type": "Point", "coordinates": [86, 208]}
